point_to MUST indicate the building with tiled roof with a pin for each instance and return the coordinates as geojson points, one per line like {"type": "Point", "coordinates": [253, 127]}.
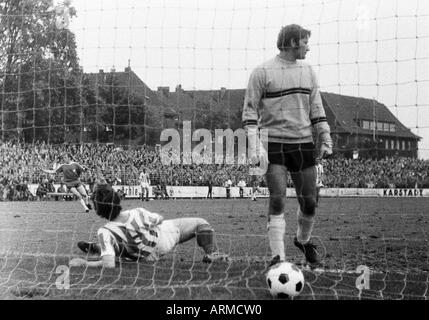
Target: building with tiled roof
{"type": "Point", "coordinates": [367, 126]}
{"type": "Point", "coordinates": [358, 125]}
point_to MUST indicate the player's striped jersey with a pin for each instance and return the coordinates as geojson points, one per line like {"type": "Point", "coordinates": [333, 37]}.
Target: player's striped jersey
{"type": "Point", "coordinates": [71, 172]}
{"type": "Point", "coordinates": [319, 175]}
{"type": "Point", "coordinates": [144, 178]}
{"type": "Point", "coordinates": [136, 238]}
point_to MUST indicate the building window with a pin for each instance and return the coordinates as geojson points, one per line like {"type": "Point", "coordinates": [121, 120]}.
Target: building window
{"type": "Point", "coordinates": [392, 144]}
{"type": "Point", "coordinates": [398, 146]}
{"type": "Point", "coordinates": [409, 145]}
{"type": "Point", "coordinates": [386, 126]}
{"type": "Point", "coordinates": [379, 126]}
{"type": "Point", "coordinates": [386, 144]}
{"type": "Point", "coordinates": [403, 144]}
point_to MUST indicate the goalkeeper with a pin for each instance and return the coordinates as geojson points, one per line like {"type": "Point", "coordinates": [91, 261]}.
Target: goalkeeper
{"type": "Point", "coordinates": [283, 97]}
{"type": "Point", "coordinates": [139, 234]}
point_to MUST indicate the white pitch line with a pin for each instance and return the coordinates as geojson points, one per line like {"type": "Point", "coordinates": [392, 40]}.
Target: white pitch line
{"type": "Point", "coordinates": [42, 230]}
{"type": "Point", "coordinates": [257, 259]}
{"type": "Point", "coordinates": [11, 253]}
{"type": "Point", "coordinates": [380, 238]}
{"type": "Point", "coordinates": [340, 271]}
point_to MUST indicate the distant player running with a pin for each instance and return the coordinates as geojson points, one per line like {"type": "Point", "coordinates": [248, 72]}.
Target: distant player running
{"type": "Point", "coordinates": [144, 184]}
{"type": "Point", "coordinates": [255, 188]}
{"type": "Point", "coordinates": [283, 97]}
{"type": "Point", "coordinates": [139, 234]}
{"type": "Point", "coordinates": [71, 172]}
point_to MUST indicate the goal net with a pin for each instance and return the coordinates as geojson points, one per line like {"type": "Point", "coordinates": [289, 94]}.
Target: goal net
{"type": "Point", "coordinates": [105, 80]}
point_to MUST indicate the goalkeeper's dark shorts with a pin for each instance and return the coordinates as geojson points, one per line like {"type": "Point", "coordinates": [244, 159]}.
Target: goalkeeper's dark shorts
{"type": "Point", "coordinates": [295, 157]}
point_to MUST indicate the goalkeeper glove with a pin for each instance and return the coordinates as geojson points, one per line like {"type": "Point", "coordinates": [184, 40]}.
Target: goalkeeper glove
{"type": "Point", "coordinates": [326, 145]}
{"type": "Point", "coordinates": [256, 152]}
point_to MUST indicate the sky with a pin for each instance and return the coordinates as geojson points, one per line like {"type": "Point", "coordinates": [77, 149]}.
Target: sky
{"type": "Point", "coordinates": [377, 49]}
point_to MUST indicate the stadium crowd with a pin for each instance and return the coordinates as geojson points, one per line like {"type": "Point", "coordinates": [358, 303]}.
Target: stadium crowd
{"type": "Point", "coordinates": [21, 165]}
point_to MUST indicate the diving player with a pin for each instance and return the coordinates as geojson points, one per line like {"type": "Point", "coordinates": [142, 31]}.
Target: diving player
{"type": "Point", "coordinates": [139, 234]}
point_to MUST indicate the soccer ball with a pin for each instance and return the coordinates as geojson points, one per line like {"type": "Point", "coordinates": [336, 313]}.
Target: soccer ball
{"type": "Point", "coordinates": [285, 280]}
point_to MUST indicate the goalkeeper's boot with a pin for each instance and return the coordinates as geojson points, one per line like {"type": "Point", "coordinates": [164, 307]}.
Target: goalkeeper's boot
{"type": "Point", "coordinates": [215, 256]}
{"type": "Point", "coordinates": [88, 247]}
{"type": "Point", "coordinates": [310, 252]}
{"type": "Point", "coordinates": [275, 260]}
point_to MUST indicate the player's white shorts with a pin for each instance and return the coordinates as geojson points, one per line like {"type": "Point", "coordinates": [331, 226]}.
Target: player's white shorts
{"type": "Point", "coordinates": [144, 185]}
{"type": "Point", "coordinates": [168, 238]}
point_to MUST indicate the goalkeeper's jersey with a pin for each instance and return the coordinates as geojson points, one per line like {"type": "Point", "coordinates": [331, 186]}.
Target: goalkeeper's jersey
{"type": "Point", "coordinates": [283, 97]}
{"type": "Point", "coordinates": [137, 238]}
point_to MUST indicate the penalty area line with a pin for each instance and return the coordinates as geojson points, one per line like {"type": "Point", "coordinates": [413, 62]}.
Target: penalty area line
{"type": "Point", "coordinates": [4, 254]}
{"type": "Point", "coordinates": [12, 253]}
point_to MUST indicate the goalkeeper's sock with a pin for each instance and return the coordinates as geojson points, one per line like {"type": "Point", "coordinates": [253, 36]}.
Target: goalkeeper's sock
{"type": "Point", "coordinates": [276, 231]}
{"type": "Point", "coordinates": [305, 227]}
{"type": "Point", "coordinates": [82, 202]}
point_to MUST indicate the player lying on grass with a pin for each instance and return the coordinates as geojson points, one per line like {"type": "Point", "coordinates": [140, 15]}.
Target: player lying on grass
{"type": "Point", "coordinates": [71, 176]}
{"type": "Point", "coordinates": [139, 234]}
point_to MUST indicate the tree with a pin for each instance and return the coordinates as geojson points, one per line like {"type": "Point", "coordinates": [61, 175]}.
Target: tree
{"type": "Point", "coordinates": [40, 74]}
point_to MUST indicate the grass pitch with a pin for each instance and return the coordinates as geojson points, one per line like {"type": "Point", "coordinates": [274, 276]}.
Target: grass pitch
{"type": "Point", "coordinates": [389, 236]}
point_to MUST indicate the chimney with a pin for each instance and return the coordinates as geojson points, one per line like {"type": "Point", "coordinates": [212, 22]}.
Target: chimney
{"type": "Point", "coordinates": [100, 77]}
{"type": "Point", "coordinates": [164, 90]}
{"type": "Point", "coordinates": [222, 92]}
{"type": "Point", "coordinates": [128, 69]}
{"type": "Point", "coordinates": [179, 88]}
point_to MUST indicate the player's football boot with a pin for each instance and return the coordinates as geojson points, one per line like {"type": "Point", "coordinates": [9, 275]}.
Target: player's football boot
{"type": "Point", "coordinates": [275, 260]}
{"type": "Point", "coordinates": [215, 256]}
{"type": "Point", "coordinates": [88, 205]}
{"type": "Point", "coordinates": [88, 247]}
{"type": "Point", "coordinates": [309, 250]}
